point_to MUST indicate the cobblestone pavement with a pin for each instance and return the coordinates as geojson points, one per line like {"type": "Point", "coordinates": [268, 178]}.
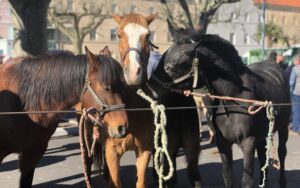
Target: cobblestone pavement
{"type": "Point", "coordinates": [61, 166]}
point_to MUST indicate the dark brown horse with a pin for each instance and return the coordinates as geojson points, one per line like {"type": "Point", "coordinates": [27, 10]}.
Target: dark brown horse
{"type": "Point", "coordinates": [182, 127]}
{"type": "Point", "coordinates": [51, 83]}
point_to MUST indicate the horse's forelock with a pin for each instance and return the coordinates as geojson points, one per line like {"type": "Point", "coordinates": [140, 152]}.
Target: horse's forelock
{"type": "Point", "coordinates": [135, 19]}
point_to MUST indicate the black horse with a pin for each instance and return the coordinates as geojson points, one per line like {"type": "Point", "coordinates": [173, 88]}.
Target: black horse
{"type": "Point", "coordinates": [221, 70]}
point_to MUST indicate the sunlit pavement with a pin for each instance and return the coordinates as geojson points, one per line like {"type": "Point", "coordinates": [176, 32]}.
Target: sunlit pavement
{"type": "Point", "coordinates": [61, 166]}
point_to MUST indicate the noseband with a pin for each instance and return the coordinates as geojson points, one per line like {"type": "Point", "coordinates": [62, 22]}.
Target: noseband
{"type": "Point", "coordinates": [194, 73]}
{"type": "Point", "coordinates": [137, 50]}
{"type": "Point", "coordinates": [131, 49]}
{"type": "Point", "coordinates": [102, 107]}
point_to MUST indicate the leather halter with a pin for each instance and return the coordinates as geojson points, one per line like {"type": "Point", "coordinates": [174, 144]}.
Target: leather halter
{"type": "Point", "coordinates": [192, 73]}
{"type": "Point", "coordinates": [102, 107]}
{"type": "Point", "coordinates": [136, 50]}
{"type": "Point", "coordinates": [131, 49]}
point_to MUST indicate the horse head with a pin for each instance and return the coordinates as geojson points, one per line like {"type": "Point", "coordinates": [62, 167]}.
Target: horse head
{"type": "Point", "coordinates": [175, 67]}
{"type": "Point", "coordinates": [103, 92]}
{"type": "Point", "coordinates": [134, 45]}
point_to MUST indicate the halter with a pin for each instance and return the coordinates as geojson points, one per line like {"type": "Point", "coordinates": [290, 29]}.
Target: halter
{"type": "Point", "coordinates": [192, 73]}
{"type": "Point", "coordinates": [103, 107]}
{"type": "Point", "coordinates": [137, 50]}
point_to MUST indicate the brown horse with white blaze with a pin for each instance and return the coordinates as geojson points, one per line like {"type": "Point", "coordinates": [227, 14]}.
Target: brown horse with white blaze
{"type": "Point", "coordinates": [51, 83]}
{"type": "Point", "coordinates": [182, 128]}
{"type": "Point", "coordinates": [134, 45]}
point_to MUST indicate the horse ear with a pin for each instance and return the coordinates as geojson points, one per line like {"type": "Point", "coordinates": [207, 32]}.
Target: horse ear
{"type": "Point", "coordinates": [117, 18]}
{"type": "Point", "coordinates": [105, 51]}
{"type": "Point", "coordinates": [151, 17]}
{"type": "Point", "coordinates": [172, 30]}
{"type": "Point", "coordinates": [91, 58]}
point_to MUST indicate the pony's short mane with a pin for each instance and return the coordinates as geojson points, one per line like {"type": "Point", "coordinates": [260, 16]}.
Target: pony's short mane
{"type": "Point", "coordinates": [45, 82]}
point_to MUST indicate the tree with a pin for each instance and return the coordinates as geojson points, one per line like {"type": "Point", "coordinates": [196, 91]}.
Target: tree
{"type": "Point", "coordinates": [83, 21]}
{"type": "Point", "coordinates": [203, 14]}
{"type": "Point", "coordinates": [273, 33]}
{"type": "Point", "coordinates": [30, 24]}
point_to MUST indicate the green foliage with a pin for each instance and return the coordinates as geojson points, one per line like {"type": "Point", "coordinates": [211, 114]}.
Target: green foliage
{"type": "Point", "coordinates": [272, 31]}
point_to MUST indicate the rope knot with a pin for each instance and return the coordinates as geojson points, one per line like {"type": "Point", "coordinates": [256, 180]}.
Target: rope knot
{"type": "Point", "coordinates": [160, 121]}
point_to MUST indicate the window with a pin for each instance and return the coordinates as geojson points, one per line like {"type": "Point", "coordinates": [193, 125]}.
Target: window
{"type": "Point", "coordinates": [151, 10]}
{"type": "Point", "coordinates": [295, 21]}
{"type": "Point", "coordinates": [246, 39]}
{"type": "Point", "coordinates": [170, 38]}
{"type": "Point", "coordinates": [284, 20]}
{"type": "Point", "coordinates": [113, 35]}
{"type": "Point", "coordinates": [70, 6]}
{"type": "Point", "coordinates": [51, 34]}
{"type": "Point", "coordinates": [93, 35]}
{"type": "Point", "coordinates": [113, 8]}
{"type": "Point", "coordinates": [274, 19]}
{"type": "Point", "coordinates": [247, 17]}
{"type": "Point", "coordinates": [232, 38]}
{"type": "Point", "coordinates": [152, 36]}
{"type": "Point", "coordinates": [233, 16]}
{"type": "Point", "coordinates": [133, 9]}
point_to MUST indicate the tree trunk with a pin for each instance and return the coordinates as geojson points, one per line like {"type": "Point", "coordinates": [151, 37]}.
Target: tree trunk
{"type": "Point", "coordinates": [30, 18]}
{"type": "Point", "coordinates": [77, 46]}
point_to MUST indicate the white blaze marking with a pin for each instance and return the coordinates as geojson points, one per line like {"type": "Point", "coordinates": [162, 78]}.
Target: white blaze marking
{"type": "Point", "coordinates": [134, 32]}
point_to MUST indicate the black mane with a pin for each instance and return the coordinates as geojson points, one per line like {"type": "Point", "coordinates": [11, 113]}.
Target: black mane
{"type": "Point", "coordinates": [46, 82]}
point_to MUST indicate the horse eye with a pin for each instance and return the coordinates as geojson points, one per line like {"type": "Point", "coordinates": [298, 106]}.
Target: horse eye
{"type": "Point", "coordinates": [107, 88]}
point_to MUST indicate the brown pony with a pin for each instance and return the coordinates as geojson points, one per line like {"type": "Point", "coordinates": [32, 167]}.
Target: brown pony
{"type": "Point", "coordinates": [137, 138]}
{"type": "Point", "coordinates": [182, 128]}
{"type": "Point", "coordinates": [51, 83]}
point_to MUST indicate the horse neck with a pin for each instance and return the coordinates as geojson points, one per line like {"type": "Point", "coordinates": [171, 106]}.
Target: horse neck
{"type": "Point", "coordinates": [228, 82]}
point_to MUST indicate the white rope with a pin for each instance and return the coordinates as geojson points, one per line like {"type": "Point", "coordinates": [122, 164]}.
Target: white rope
{"type": "Point", "coordinates": [160, 121]}
{"type": "Point", "coordinates": [271, 117]}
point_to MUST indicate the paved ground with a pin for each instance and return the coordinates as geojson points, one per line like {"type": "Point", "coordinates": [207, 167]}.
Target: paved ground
{"type": "Point", "coordinates": [61, 166]}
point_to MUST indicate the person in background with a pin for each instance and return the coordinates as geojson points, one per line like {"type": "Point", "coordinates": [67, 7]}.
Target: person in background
{"type": "Point", "coordinates": [153, 61]}
{"type": "Point", "coordinates": [280, 62]}
{"type": "Point", "coordinates": [295, 93]}
{"type": "Point", "coordinates": [272, 57]}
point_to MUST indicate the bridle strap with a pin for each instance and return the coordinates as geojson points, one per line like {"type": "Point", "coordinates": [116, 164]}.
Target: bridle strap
{"type": "Point", "coordinates": [103, 107]}
{"type": "Point", "coordinates": [193, 73]}
{"type": "Point", "coordinates": [131, 49]}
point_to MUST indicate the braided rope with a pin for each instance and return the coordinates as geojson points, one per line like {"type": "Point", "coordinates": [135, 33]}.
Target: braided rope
{"type": "Point", "coordinates": [271, 116]}
{"type": "Point", "coordinates": [160, 121]}
{"type": "Point", "coordinates": [84, 148]}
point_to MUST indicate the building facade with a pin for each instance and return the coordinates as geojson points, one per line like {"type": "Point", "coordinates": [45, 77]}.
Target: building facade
{"type": "Point", "coordinates": [238, 23]}
{"type": "Point", "coordinates": [6, 29]}
{"type": "Point", "coordinates": [285, 14]}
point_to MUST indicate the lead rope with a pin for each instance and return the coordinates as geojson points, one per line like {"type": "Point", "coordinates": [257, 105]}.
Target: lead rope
{"type": "Point", "coordinates": [84, 148]}
{"type": "Point", "coordinates": [160, 121]}
{"type": "Point", "coordinates": [86, 152]}
{"type": "Point", "coordinates": [271, 116]}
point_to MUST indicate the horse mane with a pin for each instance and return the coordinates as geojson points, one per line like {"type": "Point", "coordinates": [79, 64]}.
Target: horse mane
{"type": "Point", "coordinates": [47, 82]}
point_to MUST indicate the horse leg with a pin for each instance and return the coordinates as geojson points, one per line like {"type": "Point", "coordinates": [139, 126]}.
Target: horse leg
{"type": "Point", "coordinates": [173, 146]}
{"type": "Point", "coordinates": [226, 157]}
{"type": "Point", "coordinates": [282, 151]}
{"type": "Point", "coordinates": [142, 161]}
{"type": "Point", "coordinates": [113, 163]}
{"type": "Point", "coordinates": [28, 162]}
{"type": "Point", "coordinates": [261, 154]}
{"type": "Point", "coordinates": [191, 147]}
{"type": "Point", "coordinates": [248, 148]}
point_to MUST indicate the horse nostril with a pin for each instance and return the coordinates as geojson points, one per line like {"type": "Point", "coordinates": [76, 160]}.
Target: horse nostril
{"type": "Point", "coordinates": [122, 130]}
